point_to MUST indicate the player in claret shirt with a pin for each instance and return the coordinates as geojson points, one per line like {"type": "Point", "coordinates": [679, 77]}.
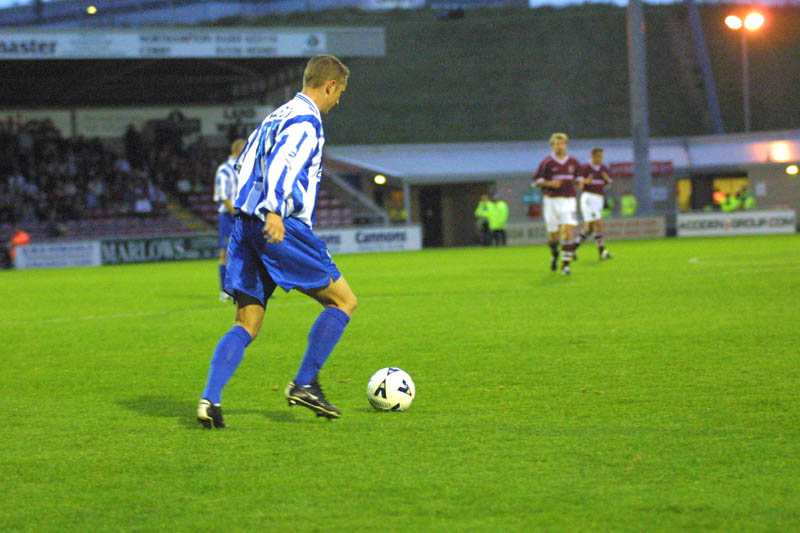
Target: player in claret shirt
{"type": "Point", "coordinates": [592, 181]}
{"type": "Point", "coordinates": [556, 176]}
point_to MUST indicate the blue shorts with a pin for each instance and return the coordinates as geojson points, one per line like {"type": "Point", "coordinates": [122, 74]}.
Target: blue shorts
{"type": "Point", "coordinates": [255, 266]}
{"type": "Point", "coordinates": [225, 228]}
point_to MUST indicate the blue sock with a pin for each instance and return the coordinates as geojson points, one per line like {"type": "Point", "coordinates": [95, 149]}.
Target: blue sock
{"type": "Point", "coordinates": [227, 356]}
{"type": "Point", "coordinates": [324, 334]}
{"type": "Point", "coordinates": [222, 269]}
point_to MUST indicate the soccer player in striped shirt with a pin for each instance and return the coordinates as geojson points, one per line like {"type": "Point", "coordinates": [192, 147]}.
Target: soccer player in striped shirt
{"type": "Point", "coordinates": [272, 243]}
{"type": "Point", "coordinates": [225, 185]}
{"type": "Point", "coordinates": [592, 182]}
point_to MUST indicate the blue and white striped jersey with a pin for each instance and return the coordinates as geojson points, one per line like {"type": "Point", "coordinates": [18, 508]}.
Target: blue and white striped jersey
{"type": "Point", "coordinates": [281, 166]}
{"type": "Point", "coordinates": [225, 184]}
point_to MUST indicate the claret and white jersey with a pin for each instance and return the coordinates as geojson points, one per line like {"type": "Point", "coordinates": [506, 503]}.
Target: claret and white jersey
{"type": "Point", "coordinates": [593, 196]}
{"type": "Point", "coordinates": [566, 170]}
{"type": "Point", "coordinates": [559, 206]}
{"type": "Point", "coordinates": [281, 165]}
{"type": "Point", "coordinates": [592, 177]}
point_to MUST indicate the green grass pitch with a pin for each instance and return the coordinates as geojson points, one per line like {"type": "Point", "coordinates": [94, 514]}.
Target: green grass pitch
{"type": "Point", "coordinates": [657, 391]}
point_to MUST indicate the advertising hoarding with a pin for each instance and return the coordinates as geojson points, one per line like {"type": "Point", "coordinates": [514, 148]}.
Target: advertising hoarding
{"type": "Point", "coordinates": [737, 223]}
{"type": "Point", "coordinates": [58, 254]}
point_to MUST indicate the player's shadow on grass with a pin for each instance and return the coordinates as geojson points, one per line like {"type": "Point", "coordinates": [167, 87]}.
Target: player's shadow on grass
{"type": "Point", "coordinates": [286, 416]}
{"type": "Point", "coordinates": [184, 412]}
{"type": "Point", "coordinates": [163, 407]}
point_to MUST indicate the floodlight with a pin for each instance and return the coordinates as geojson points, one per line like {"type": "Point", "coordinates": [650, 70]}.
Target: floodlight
{"type": "Point", "coordinates": [733, 22]}
{"type": "Point", "coordinates": [782, 152]}
{"type": "Point", "coordinates": [753, 21]}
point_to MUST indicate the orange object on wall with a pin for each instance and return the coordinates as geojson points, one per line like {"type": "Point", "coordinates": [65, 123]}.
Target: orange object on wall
{"type": "Point", "coordinates": [20, 238]}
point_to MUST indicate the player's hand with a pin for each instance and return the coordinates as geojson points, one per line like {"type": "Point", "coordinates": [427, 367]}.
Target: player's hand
{"type": "Point", "coordinates": [555, 184]}
{"type": "Point", "coordinates": [273, 228]}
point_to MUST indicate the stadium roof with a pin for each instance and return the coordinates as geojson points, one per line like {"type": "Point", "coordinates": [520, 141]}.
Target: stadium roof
{"type": "Point", "coordinates": [165, 65]}
{"type": "Point", "coordinates": [466, 162]}
{"type": "Point", "coordinates": [72, 13]}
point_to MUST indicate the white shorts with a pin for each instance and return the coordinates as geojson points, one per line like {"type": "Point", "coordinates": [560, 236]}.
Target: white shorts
{"type": "Point", "coordinates": [591, 206]}
{"type": "Point", "coordinates": [558, 211]}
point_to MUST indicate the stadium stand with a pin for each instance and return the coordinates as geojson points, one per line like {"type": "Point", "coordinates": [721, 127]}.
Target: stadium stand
{"type": "Point", "coordinates": [57, 187]}
{"type": "Point", "coordinates": [75, 187]}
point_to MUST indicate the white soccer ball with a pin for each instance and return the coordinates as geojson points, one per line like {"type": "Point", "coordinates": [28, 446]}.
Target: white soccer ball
{"type": "Point", "coordinates": [390, 389]}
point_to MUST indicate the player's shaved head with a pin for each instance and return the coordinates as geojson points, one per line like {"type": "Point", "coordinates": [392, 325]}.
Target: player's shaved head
{"type": "Point", "coordinates": [322, 69]}
{"type": "Point", "coordinates": [237, 146]}
{"type": "Point", "coordinates": [597, 150]}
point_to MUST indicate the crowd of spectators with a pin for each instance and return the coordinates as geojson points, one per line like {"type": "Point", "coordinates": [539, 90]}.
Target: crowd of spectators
{"type": "Point", "coordinates": [47, 178]}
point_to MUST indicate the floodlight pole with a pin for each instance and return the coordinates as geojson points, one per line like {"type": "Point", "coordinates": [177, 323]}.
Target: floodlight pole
{"type": "Point", "coordinates": [703, 59]}
{"type": "Point", "coordinates": [745, 81]}
{"type": "Point", "coordinates": [640, 125]}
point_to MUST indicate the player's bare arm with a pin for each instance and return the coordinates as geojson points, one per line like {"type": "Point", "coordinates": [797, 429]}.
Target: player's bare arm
{"type": "Point", "coordinates": [273, 228]}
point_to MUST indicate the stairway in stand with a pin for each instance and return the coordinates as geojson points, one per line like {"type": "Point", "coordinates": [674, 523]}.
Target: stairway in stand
{"type": "Point", "coordinates": [188, 218]}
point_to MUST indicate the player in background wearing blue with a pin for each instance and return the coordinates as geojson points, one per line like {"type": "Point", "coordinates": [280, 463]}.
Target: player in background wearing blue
{"type": "Point", "coordinates": [225, 185]}
{"type": "Point", "coordinates": [272, 243]}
